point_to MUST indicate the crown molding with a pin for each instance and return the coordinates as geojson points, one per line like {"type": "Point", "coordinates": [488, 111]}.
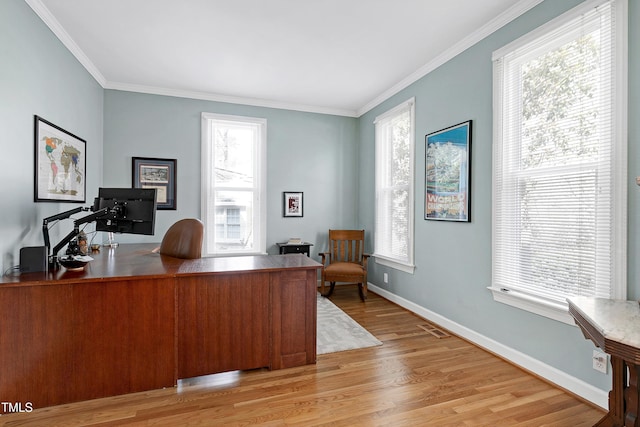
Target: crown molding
{"type": "Point", "coordinates": [497, 23]}
{"type": "Point", "coordinates": [492, 26]}
{"type": "Point", "coordinates": [53, 24]}
{"type": "Point", "coordinates": [206, 96]}
{"type": "Point", "coordinates": [45, 15]}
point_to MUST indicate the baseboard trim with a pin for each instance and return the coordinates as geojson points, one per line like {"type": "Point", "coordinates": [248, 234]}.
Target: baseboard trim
{"type": "Point", "coordinates": [561, 379]}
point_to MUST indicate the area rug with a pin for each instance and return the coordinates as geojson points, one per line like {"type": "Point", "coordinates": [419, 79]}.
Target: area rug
{"type": "Point", "coordinates": [336, 331]}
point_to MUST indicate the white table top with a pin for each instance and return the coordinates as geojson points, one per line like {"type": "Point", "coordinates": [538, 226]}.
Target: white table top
{"type": "Point", "coordinates": [615, 320]}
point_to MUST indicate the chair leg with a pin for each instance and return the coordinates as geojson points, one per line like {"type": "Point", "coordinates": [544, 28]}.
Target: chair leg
{"type": "Point", "coordinates": [362, 289]}
{"type": "Point", "coordinates": [328, 294]}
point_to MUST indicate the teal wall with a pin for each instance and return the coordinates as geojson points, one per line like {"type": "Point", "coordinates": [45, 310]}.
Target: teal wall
{"type": "Point", "coordinates": [329, 158]}
{"type": "Point", "coordinates": [312, 153]}
{"type": "Point", "coordinates": [453, 260]}
{"type": "Point", "coordinates": [39, 76]}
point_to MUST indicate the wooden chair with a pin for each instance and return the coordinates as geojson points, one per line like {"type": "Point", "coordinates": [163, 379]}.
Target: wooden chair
{"type": "Point", "coordinates": [345, 261]}
{"type": "Point", "coordinates": [183, 239]}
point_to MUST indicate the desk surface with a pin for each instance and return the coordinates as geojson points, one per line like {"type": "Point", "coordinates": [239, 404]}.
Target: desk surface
{"type": "Point", "coordinates": [139, 260]}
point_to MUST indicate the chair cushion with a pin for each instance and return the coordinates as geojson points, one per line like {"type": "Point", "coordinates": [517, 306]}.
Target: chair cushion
{"type": "Point", "coordinates": [342, 268]}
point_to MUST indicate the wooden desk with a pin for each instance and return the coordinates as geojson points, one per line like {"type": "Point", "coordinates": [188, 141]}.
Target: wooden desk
{"type": "Point", "coordinates": [614, 326]}
{"type": "Point", "coordinates": [133, 320]}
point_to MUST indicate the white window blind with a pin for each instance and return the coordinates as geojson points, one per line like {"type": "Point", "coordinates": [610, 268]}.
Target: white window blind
{"type": "Point", "coordinates": [560, 161]}
{"type": "Point", "coordinates": [394, 133]}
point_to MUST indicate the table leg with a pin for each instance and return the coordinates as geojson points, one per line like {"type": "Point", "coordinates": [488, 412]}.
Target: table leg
{"type": "Point", "coordinates": [615, 416]}
{"type": "Point", "coordinates": [631, 398]}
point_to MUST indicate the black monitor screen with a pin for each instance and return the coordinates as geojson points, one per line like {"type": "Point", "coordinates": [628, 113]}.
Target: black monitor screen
{"type": "Point", "coordinates": [128, 210]}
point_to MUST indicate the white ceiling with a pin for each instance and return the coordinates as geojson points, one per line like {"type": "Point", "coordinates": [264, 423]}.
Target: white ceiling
{"type": "Point", "coordinates": [331, 56]}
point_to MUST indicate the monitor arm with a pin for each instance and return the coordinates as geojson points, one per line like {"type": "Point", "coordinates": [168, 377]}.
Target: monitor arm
{"type": "Point", "coordinates": [53, 255]}
{"type": "Point", "coordinates": [46, 221]}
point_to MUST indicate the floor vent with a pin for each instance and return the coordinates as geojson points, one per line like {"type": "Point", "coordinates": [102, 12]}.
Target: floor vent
{"type": "Point", "coordinates": [438, 333]}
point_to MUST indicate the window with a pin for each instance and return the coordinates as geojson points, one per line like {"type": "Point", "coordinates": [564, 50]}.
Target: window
{"type": "Point", "coordinates": [394, 130]}
{"type": "Point", "coordinates": [228, 224]}
{"type": "Point", "coordinates": [559, 176]}
{"type": "Point", "coordinates": [233, 184]}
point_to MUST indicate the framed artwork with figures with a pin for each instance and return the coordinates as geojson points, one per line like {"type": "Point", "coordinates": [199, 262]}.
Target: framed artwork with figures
{"type": "Point", "coordinates": [292, 203]}
{"type": "Point", "coordinates": [447, 174]}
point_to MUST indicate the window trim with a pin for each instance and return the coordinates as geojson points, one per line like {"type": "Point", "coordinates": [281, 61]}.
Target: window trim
{"type": "Point", "coordinates": [409, 266]}
{"type": "Point", "coordinates": [542, 306]}
{"type": "Point", "coordinates": [259, 198]}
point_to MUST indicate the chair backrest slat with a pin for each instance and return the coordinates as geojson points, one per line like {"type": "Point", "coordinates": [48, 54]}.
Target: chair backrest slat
{"type": "Point", "coordinates": [346, 245]}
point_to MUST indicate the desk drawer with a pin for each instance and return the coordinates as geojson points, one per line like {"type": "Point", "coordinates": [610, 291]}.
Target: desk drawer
{"type": "Point", "coordinates": [294, 249]}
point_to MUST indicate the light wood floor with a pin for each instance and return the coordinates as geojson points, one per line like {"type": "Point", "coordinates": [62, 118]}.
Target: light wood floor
{"type": "Point", "coordinates": [413, 379]}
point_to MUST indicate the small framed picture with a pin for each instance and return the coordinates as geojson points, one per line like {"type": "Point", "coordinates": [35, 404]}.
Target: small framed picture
{"type": "Point", "coordinates": [292, 203]}
{"type": "Point", "coordinates": [60, 164]}
{"type": "Point", "coordinates": [159, 174]}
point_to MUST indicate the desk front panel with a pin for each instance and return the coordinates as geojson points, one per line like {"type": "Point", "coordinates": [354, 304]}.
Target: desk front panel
{"type": "Point", "coordinates": [293, 301]}
{"type": "Point", "coordinates": [223, 323]}
{"type": "Point", "coordinates": [124, 336]}
{"type": "Point", "coordinates": [246, 321]}
{"type": "Point", "coordinates": [37, 345]}
{"type": "Point", "coordinates": [68, 342]}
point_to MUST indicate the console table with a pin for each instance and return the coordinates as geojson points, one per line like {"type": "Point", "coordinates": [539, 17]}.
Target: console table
{"type": "Point", "coordinates": [614, 326]}
{"type": "Point", "coordinates": [134, 320]}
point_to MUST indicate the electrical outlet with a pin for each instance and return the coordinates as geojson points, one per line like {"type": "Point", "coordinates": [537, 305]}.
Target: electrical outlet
{"type": "Point", "coordinates": [385, 278]}
{"type": "Point", "coordinates": [600, 361]}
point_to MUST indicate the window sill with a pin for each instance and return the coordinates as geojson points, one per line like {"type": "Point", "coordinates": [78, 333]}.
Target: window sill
{"type": "Point", "coordinates": [539, 306]}
{"type": "Point", "coordinates": [407, 268]}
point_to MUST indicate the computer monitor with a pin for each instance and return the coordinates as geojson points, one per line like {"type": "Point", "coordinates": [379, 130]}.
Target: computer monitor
{"type": "Point", "coordinates": [128, 210]}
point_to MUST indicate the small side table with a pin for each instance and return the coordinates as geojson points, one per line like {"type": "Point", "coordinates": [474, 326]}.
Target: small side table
{"type": "Point", "coordinates": [612, 325]}
{"type": "Point", "coordinates": [294, 248]}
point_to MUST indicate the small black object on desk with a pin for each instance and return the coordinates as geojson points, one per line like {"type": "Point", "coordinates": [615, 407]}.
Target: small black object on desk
{"type": "Point", "coordinates": [294, 248]}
